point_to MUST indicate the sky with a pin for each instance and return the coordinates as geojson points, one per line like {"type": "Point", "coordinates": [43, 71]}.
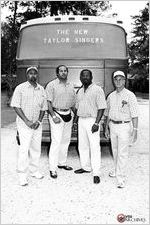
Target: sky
{"type": "Point", "coordinates": [125, 10]}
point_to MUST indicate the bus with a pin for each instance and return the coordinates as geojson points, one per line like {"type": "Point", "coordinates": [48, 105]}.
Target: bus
{"type": "Point", "coordinates": [79, 42]}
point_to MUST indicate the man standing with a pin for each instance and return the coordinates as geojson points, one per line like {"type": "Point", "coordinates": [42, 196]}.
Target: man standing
{"type": "Point", "coordinates": [90, 106]}
{"type": "Point", "coordinates": [29, 103]}
{"type": "Point", "coordinates": [61, 98]}
{"type": "Point", "coordinates": [122, 110]}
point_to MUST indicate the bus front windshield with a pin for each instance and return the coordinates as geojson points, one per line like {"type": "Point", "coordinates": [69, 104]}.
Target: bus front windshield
{"type": "Point", "coordinates": [72, 40]}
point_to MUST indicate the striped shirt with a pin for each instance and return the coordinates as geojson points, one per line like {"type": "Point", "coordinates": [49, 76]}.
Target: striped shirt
{"type": "Point", "coordinates": [31, 100]}
{"type": "Point", "coordinates": [62, 95]}
{"type": "Point", "coordinates": [90, 101]}
{"type": "Point", "coordinates": [122, 106]}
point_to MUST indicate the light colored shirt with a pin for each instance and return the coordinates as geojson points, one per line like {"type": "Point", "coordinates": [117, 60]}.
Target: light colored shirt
{"type": "Point", "coordinates": [122, 106]}
{"type": "Point", "coordinates": [31, 100]}
{"type": "Point", "coordinates": [90, 101]}
{"type": "Point", "coordinates": [62, 95]}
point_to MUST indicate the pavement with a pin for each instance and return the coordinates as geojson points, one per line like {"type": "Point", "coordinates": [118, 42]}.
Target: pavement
{"type": "Point", "coordinates": [73, 198]}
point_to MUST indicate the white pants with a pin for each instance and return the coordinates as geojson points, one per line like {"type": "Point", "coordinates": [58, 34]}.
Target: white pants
{"type": "Point", "coordinates": [60, 140]}
{"type": "Point", "coordinates": [120, 138]}
{"type": "Point", "coordinates": [89, 146]}
{"type": "Point", "coordinates": [29, 149]}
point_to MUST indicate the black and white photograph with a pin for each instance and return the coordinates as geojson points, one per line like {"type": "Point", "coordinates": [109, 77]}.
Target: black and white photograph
{"type": "Point", "coordinates": [75, 112]}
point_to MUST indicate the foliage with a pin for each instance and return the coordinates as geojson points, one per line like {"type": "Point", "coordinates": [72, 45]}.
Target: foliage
{"type": "Point", "coordinates": [139, 51]}
{"type": "Point", "coordinates": [139, 46]}
{"type": "Point", "coordinates": [26, 10]}
{"type": "Point", "coordinates": [54, 8]}
{"type": "Point", "coordinates": [9, 39]}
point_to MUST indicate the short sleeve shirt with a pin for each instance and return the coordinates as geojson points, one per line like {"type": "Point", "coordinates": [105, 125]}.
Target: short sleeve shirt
{"type": "Point", "coordinates": [31, 100]}
{"type": "Point", "coordinates": [61, 95]}
{"type": "Point", "coordinates": [90, 101]}
{"type": "Point", "coordinates": [122, 105]}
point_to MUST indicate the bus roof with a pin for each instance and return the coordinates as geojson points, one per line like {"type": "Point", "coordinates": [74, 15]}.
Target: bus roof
{"type": "Point", "coordinates": [70, 19]}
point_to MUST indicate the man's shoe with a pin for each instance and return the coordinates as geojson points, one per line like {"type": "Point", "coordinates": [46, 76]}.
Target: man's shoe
{"type": "Point", "coordinates": [112, 174]}
{"type": "Point", "coordinates": [53, 174]}
{"type": "Point", "coordinates": [37, 175]}
{"type": "Point", "coordinates": [65, 167]}
{"type": "Point", "coordinates": [96, 180]}
{"type": "Point", "coordinates": [81, 171]}
{"type": "Point", "coordinates": [121, 185]}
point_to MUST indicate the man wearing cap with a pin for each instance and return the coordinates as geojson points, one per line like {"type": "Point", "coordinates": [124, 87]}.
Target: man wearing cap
{"type": "Point", "coordinates": [122, 124]}
{"type": "Point", "coordinates": [61, 99]}
{"type": "Point", "coordinates": [29, 103]}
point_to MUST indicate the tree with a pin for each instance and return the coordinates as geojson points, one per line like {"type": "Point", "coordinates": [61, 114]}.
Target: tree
{"type": "Point", "coordinates": [26, 10]}
{"type": "Point", "coordinates": [139, 49]}
{"type": "Point", "coordinates": [5, 47]}
{"type": "Point", "coordinates": [9, 39]}
{"type": "Point", "coordinates": [139, 46]}
{"type": "Point", "coordinates": [53, 8]}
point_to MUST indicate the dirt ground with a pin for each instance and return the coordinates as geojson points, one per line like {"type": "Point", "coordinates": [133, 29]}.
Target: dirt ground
{"type": "Point", "coordinates": [72, 198]}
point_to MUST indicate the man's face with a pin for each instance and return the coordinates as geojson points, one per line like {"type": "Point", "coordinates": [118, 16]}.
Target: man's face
{"type": "Point", "coordinates": [32, 75]}
{"type": "Point", "coordinates": [119, 81]}
{"type": "Point", "coordinates": [86, 78]}
{"type": "Point", "coordinates": [63, 73]}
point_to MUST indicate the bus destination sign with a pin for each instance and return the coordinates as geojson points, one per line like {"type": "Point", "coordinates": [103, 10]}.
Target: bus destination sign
{"type": "Point", "coordinates": [72, 36]}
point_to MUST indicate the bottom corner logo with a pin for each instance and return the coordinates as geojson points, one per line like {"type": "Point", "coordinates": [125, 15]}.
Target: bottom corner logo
{"type": "Point", "coordinates": [121, 218]}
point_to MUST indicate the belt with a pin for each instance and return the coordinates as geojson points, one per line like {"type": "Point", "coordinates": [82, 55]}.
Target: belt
{"type": "Point", "coordinates": [63, 110]}
{"type": "Point", "coordinates": [118, 122]}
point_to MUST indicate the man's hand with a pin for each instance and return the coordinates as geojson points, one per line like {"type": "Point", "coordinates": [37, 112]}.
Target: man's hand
{"type": "Point", "coordinates": [29, 123]}
{"type": "Point", "coordinates": [95, 128]}
{"type": "Point", "coordinates": [107, 133]}
{"type": "Point", "coordinates": [35, 125]}
{"type": "Point", "coordinates": [133, 136]}
{"type": "Point", "coordinates": [75, 122]}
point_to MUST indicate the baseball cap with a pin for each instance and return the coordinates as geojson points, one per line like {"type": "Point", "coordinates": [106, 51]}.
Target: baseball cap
{"type": "Point", "coordinates": [119, 73]}
{"type": "Point", "coordinates": [32, 68]}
